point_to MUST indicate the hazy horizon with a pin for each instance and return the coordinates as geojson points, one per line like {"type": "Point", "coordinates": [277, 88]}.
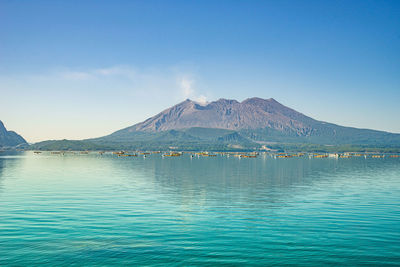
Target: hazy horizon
{"type": "Point", "coordinates": [75, 70]}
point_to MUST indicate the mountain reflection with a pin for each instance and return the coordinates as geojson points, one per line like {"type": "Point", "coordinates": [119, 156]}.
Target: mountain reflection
{"type": "Point", "coordinates": [267, 180]}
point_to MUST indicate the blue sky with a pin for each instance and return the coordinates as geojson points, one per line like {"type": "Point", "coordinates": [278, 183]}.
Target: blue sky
{"type": "Point", "coordinates": [79, 69]}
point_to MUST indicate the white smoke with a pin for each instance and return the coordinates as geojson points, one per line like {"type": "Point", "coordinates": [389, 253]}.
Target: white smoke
{"type": "Point", "coordinates": [188, 91]}
{"type": "Point", "coordinates": [186, 85]}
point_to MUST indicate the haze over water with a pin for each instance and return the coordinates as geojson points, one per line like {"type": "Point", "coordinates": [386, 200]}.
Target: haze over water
{"type": "Point", "coordinates": [102, 209]}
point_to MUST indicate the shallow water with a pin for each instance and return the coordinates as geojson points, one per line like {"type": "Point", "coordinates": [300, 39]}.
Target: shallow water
{"type": "Point", "coordinates": [107, 210]}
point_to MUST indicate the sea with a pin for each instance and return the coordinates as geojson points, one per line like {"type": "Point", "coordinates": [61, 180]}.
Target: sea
{"type": "Point", "coordinates": [95, 209]}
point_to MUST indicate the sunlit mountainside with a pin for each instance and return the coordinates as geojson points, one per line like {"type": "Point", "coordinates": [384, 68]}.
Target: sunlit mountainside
{"type": "Point", "coordinates": [225, 124]}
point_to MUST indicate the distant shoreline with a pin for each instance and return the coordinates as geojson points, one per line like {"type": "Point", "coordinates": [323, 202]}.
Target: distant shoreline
{"type": "Point", "coordinates": [282, 148]}
{"type": "Point", "coordinates": [66, 145]}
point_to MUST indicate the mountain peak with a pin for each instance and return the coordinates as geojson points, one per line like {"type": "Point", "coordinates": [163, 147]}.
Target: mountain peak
{"type": "Point", "coordinates": [3, 129]}
{"type": "Point", "coordinates": [256, 119]}
{"type": "Point", "coordinates": [9, 138]}
{"type": "Point", "coordinates": [252, 113]}
{"type": "Point", "coordinates": [258, 100]}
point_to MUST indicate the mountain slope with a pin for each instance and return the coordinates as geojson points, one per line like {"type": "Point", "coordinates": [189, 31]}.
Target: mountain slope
{"type": "Point", "coordinates": [258, 120]}
{"type": "Point", "coordinates": [229, 124]}
{"type": "Point", "coordinates": [252, 113]}
{"type": "Point", "coordinates": [9, 138]}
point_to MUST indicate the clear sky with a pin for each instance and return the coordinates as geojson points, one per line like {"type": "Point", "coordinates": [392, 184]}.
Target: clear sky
{"type": "Point", "coordinates": [79, 69]}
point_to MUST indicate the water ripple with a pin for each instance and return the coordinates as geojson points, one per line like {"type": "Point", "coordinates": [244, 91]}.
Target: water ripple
{"type": "Point", "coordinates": [100, 211]}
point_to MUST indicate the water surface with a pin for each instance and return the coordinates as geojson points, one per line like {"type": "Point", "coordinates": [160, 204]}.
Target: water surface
{"type": "Point", "coordinates": [107, 210]}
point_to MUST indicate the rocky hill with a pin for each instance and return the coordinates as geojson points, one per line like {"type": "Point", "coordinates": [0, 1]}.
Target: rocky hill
{"type": "Point", "coordinates": [226, 124]}
{"type": "Point", "coordinates": [252, 113]}
{"type": "Point", "coordinates": [256, 120]}
{"type": "Point", "coordinates": [9, 138]}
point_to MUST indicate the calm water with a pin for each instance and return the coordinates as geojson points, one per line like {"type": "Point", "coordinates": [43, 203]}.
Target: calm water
{"type": "Point", "coordinates": [105, 210]}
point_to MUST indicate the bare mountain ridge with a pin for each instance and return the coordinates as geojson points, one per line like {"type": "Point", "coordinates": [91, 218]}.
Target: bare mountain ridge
{"type": "Point", "coordinates": [252, 113]}
{"type": "Point", "coordinates": [254, 119]}
{"type": "Point", "coordinates": [9, 138]}
{"type": "Point", "coordinates": [227, 124]}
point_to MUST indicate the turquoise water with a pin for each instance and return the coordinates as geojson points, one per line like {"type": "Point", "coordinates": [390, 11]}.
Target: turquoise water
{"type": "Point", "coordinates": [106, 210]}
